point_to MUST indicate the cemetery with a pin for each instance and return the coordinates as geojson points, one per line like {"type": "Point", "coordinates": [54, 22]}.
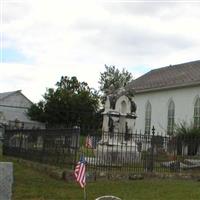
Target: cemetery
{"type": "Point", "coordinates": [118, 161]}
{"type": "Point", "coordinates": [100, 100]}
{"type": "Point", "coordinates": [119, 154]}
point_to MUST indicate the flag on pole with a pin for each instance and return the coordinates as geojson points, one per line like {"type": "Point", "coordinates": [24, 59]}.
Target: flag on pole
{"type": "Point", "coordinates": [80, 172]}
{"type": "Point", "coordinates": [88, 142]}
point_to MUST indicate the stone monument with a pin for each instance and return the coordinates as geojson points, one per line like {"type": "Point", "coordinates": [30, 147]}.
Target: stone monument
{"type": "Point", "coordinates": [117, 142]}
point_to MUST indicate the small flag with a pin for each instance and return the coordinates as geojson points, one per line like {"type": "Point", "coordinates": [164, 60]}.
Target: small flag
{"type": "Point", "coordinates": [80, 171]}
{"type": "Point", "coordinates": [88, 142]}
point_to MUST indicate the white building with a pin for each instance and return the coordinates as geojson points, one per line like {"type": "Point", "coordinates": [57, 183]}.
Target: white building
{"type": "Point", "coordinates": [13, 111]}
{"type": "Point", "coordinates": [168, 96]}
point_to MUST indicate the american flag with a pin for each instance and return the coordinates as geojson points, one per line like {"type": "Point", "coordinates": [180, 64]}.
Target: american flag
{"type": "Point", "coordinates": [89, 142]}
{"type": "Point", "coordinates": [80, 171]}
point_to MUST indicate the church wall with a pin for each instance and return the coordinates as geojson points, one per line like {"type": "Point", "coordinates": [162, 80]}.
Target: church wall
{"type": "Point", "coordinates": [184, 107]}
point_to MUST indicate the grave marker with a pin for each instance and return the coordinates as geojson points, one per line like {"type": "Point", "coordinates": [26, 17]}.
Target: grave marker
{"type": "Point", "coordinates": [6, 180]}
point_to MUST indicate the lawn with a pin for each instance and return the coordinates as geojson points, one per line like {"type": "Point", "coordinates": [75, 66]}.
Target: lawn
{"type": "Point", "coordinates": [34, 185]}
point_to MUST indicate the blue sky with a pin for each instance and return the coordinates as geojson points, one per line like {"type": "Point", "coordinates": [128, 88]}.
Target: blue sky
{"type": "Point", "coordinates": [10, 55]}
{"type": "Point", "coordinates": [44, 40]}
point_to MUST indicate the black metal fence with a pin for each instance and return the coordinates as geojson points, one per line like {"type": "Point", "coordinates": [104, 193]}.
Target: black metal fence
{"type": "Point", "coordinates": [105, 152]}
{"type": "Point", "coordinates": [54, 146]}
{"type": "Point", "coordinates": [141, 152]}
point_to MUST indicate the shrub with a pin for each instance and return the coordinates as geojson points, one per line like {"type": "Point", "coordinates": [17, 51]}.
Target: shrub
{"type": "Point", "coordinates": [187, 131]}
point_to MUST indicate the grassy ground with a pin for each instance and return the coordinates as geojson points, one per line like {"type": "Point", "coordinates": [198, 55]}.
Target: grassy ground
{"type": "Point", "coordinates": [30, 184]}
{"type": "Point", "coordinates": [33, 185]}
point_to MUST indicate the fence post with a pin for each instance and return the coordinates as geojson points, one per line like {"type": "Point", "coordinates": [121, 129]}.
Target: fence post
{"type": "Point", "coordinates": [152, 150]}
{"type": "Point", "coordinates": [77, 133]}
{"type": "Point", "coordinates": [43, 146]}
{"type": "Point", "coordinates": [20, 142]}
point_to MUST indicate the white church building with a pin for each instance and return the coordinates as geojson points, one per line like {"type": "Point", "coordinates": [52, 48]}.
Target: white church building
{"type": "Point", "coordinates": [162, 98]}
{"type": "Point", "coordinates": [167, 96]}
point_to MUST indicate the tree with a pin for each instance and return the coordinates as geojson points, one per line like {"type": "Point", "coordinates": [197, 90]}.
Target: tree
{"type": "Point", "coordinates": [71, 103]}
{"type": "Point", "coordinates": [112, 76]}
{"type": "Point", "coordinates": [36, 111]}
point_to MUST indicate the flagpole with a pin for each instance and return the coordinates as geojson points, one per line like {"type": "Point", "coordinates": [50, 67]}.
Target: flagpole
{"type": "Point", "coordinates": [85, 194]}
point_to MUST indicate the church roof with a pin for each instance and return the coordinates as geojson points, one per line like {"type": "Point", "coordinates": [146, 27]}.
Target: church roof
{"type": "Point", "coordinates": [6, 94]}
{"type": "Point", "coordinates": [173, 76]}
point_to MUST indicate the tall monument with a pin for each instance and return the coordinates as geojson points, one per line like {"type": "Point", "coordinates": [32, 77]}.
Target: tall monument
{"type": "Point", "coordinates": [119, 117]}
{"type": "Point", "coordinates": [119, 113]}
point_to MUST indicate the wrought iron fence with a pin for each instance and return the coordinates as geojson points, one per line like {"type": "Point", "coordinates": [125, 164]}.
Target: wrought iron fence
{"type": "Point", "coordinates": [141, 152]}
{"type": "Point", "coordinates": [105, 152]}
{"type": "Point", "coordinates": [53, 146]}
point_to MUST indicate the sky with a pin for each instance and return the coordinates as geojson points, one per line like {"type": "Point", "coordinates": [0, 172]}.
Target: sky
{"type": "Point", "coordinates": [42, 40]}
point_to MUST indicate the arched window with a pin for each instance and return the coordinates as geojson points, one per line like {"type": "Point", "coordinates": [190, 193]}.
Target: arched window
{"type": "Point", "coordinates": [170, 118]}
{"type": "Point", "coordinates": [197, 113]}
{"type": "Point", "coordinates": [148, 118]}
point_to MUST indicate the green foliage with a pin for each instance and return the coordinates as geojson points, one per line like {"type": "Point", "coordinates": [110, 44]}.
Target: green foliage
{"type": "Point", "coordinates": [71, 103]}
{"type": "Point", "coordinates": [36, 112]}
{"type": "Point", "coordinates": [184, 130]}
{"type": "Point", "coordinates": [112, 76]}
{"type": "Point", "coordinates": [189, 135]}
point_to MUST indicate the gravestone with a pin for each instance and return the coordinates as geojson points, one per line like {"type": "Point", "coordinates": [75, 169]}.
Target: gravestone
{"type": "Point", "coordinates": [6, 180]}
{"type": "Point", "coordinates": [108, 198]}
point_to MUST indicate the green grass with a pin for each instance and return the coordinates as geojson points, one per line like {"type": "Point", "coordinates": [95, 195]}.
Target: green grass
{"type": "Point", "coordinates": [34, 185]}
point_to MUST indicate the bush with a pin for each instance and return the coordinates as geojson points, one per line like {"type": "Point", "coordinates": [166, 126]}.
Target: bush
{"type": "Point", "coordinates": [187, 131]}
{"type": "Point", "coordinates": [187, 135]}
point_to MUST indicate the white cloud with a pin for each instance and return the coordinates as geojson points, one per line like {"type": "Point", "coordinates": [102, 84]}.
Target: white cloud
{"type": "Point", "coordinates": [78, 37]}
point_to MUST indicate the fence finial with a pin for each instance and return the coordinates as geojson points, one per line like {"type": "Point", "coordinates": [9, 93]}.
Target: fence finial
{"type": "Point", "coordinates": [153, 130]}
